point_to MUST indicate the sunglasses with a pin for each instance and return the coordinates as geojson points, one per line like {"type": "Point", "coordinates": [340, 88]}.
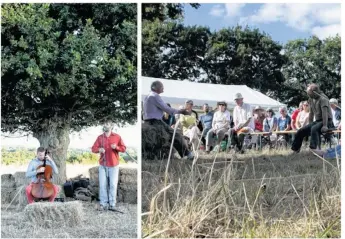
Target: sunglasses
{"type": "Point", "coordinates": [222, 104]}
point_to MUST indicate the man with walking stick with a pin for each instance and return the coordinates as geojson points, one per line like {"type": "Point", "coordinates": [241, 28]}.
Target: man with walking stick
{"type": "Point", "coordinates": [108, 145]}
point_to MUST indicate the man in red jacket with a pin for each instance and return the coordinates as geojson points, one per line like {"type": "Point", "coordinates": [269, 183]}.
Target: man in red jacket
{"type": "Point", "coordinates": [108, 145]}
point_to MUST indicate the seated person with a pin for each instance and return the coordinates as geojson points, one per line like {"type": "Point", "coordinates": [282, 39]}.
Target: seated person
{"type": "Point", "coordinates": [284, 124]}
{"type": "Point", "coordinates": [259, 116]}
{"type": "Point", "coordinates": [206, 122]}
{"type": "Point", "coordinates": [270, 125]}
{"type": "Point", "coordinates": [169, 119]}
{"type": "Point", "coordinates": [189, 126]}
{"type": "Point", "coordinates": [32, 172]}
{"type": "Point", "coordinates": [243, 123]}
{"type": "Point", "coordinates": [220, 125]}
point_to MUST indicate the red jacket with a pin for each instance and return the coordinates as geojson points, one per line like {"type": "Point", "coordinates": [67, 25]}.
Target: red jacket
{"type": "Point", "coordinates": [111, 155]}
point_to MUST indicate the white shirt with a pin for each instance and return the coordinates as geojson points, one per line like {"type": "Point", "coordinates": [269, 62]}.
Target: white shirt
{"type": "Point", "coordinates": [242, 114]}
{"type": "Point", "coordinates": [335, 121]}
{"type": "Point", "coordinates": [221, 120]}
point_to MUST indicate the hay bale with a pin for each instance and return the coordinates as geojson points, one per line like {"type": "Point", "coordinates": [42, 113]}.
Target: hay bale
{"type": "Point", "coordinates": [128, 175]}
{"type": "Point", "coordinates": [155, 142]}
{"type": "Point", "coordinates": [7, 195]}
{"type": "Point", "coordinates": [21, 179]}
{"type": "Point", "coordinates": [93, 172]}
{"type": "Point", "coordinates": [56, 214]}
{"type": "Point", "coordinates": [127, 193]}
{"type": "Point", "coordinates": [8, 181]}
{"type": "Point", "coordinates": [19, 197]}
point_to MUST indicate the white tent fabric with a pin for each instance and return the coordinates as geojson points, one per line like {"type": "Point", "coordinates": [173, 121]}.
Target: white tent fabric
{"type": "Point", "coordinates": [176, 92]}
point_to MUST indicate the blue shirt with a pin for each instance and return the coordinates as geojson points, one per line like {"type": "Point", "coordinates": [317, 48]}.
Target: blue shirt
{"type": "Point", "coordinates": [31, 171]}
{"type": "Point", "coordinates": [206, 120]}
{"type": "Point", "coordinates": [283, 123]}
{"type": "Point", "coordinates": [154, 107]}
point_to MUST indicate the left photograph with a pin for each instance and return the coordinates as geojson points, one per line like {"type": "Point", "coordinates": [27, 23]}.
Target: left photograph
{"type": "Point", "coordinates": [68, 120]}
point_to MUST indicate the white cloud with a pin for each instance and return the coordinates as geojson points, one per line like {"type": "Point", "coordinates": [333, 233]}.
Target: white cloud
{"type": "Point", "coordinates": [325, 31]}
{"type": "Point", "coordinates": [217, 11]}
{"type": "Point", "coordinates": [228, 10]}
{"type": "Point", "coordinates": [320, 19]}
{"type": "Point", "coordinates": [234, 9]}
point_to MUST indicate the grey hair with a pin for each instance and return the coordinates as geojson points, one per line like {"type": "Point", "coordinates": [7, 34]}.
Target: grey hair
{"type": "Point", "coordinates": [283, 108]}
{"type": "Point", "coordinates": [155, 85]}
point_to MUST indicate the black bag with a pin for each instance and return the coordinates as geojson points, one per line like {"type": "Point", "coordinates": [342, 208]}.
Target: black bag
{"type": "Point", "coordinates": [68, 188]}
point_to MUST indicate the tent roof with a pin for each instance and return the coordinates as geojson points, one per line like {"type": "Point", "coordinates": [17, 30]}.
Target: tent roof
{"type": "Point", "coordinates": [176, 92]}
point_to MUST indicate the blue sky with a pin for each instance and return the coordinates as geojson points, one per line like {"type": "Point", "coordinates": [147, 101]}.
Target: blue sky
{"type": "Point", "coordinates": [283, 22]}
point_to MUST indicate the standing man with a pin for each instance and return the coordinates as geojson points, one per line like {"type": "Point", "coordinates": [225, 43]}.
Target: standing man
{"type": "Point", "coordinates": [32, 171]}
{"type": "Point", "coordinates": [154, 107]}
{"type": "Point", "coordinates": [321, 109]}
{"type": "Point", "coordinates": [108, 145]}
{"type": "Point", "coordinates": [243, 122]}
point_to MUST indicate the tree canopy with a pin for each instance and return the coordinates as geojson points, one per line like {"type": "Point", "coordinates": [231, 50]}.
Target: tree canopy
{"type": "Point", "coordinates": [239, 55]}
{"type": "Point", "coordinates": [66, 67]}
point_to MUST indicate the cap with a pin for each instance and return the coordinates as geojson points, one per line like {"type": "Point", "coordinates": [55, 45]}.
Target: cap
{"type": "Point", "coordinates": [333, 101]}
{"type": "Point", "coordinates": [238, 96]}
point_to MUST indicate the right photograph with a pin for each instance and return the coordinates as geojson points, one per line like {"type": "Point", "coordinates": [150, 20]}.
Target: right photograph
{"type": "Point", "coordinates": [241, 120]}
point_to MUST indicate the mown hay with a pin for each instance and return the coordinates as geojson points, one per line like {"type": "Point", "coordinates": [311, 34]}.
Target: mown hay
{"type": "Point", "coordinates": [48, 215]}
{"type": "Point", "coordinates": [155, 142]}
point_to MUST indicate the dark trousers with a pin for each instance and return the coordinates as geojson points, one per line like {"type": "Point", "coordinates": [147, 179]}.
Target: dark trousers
{"type": "Point", "coordinates": [313, 130]}
{"type": "Point", "coordinates": [235, 139]}
{"type": "Point", "coordinates": [179, 143]}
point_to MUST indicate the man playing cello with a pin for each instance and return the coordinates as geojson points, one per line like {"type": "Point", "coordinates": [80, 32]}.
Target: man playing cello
{"type": "Point", "coordinates": [32, 172]}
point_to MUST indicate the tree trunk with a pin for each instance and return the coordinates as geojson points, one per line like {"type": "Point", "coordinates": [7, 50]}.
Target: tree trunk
{"type": "Point", "coordinates": [56, 140]}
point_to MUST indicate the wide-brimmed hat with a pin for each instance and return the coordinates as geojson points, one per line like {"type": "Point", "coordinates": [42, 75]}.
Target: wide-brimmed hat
{"type": "Point", "coordinates": [258, 108]}
{"type": "Point", "coordinates": [238, 96]}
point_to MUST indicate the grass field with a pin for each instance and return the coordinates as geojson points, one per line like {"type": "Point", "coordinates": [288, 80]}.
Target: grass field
{"type": "Point", "coordinates": [266, 194]}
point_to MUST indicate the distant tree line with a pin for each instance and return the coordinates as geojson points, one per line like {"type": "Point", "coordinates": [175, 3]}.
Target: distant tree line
{"type": "Point", "coordinates": [237, 55]}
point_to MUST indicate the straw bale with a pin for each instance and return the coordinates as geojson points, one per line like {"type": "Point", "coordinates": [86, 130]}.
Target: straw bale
{"type": "Point", "coordinates": [54, 215]}
{"type": "Point", "coordinates": [128, 175]}
{"type": "Point", "coordinates": [21, 179]}
{"type": "Point", "coordinates": [155, 142]}
{"type": "Point", "coordinates": [93, 172]}
{"type": "Point", "coordinates": [127, 193]}
{"type": "Point", "coordinates": [8, 181]}
{"type": "Point", "coordinates": [7, 194]}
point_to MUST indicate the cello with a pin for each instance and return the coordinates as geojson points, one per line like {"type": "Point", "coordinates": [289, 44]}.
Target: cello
{"type": "Point", "coordinates": [43, 188]}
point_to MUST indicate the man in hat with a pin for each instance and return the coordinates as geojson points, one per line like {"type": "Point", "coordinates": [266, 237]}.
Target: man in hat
{"type": "Point", "coordinates": [320, 109]}
{"type": "Point", "coordinates": [154, 108]}
{"type": "Point", "coordinates": [336, 112]}
{"type": "Point", "coordinates": [220, 125]}
{"type": "Point", "coordinates": [243, 122]}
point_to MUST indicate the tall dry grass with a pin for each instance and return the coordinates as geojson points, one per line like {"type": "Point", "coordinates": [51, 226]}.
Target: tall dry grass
{"type": "Point", "coordinates": [268, 194]}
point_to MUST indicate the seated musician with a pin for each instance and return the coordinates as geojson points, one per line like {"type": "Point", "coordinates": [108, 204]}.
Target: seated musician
{"type": "Point", "coordinates": [243, 123]}
{"type": "Point", "coordinates": [32, 171]}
